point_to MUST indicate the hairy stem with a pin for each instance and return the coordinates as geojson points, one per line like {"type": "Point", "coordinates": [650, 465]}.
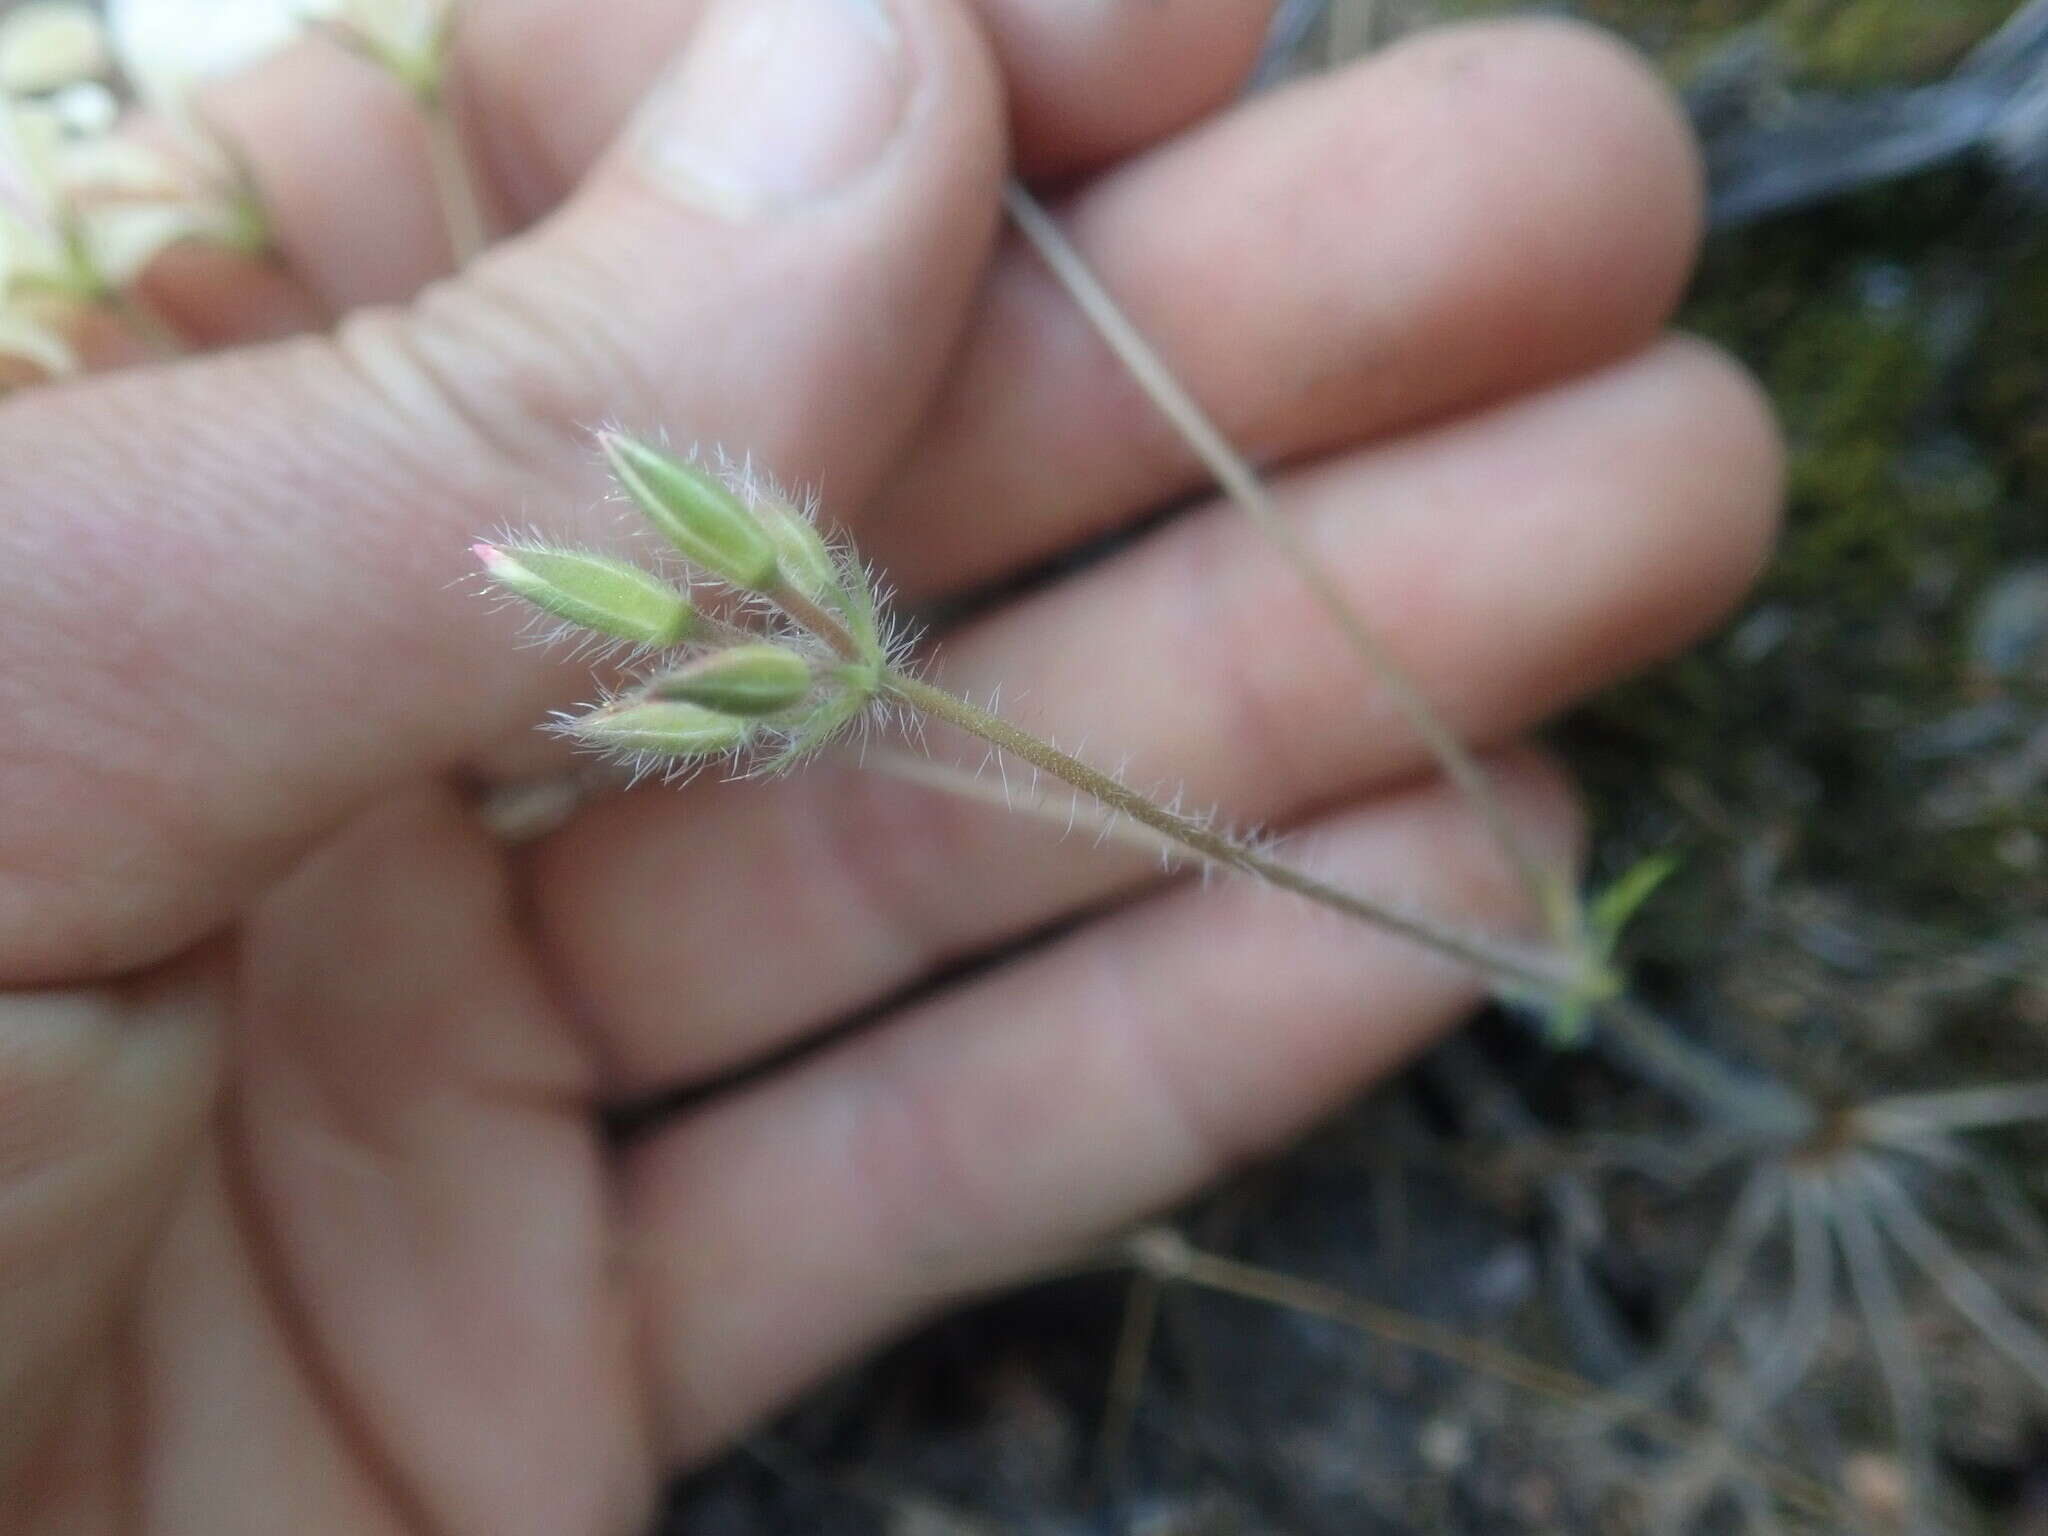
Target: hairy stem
{"type": "Point", "coordinates": [1519, 969]}
{"type": "Point", "coordinates": [1759, 1108]}
{"type": "Point", "coordinates": [1073, 812]}
{"type": "Point", "coordinates": [1549, 890]}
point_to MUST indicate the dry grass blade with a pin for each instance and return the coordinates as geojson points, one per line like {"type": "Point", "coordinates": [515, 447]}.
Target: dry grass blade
{"type": "Point", "coordinates": [1127, 1376]}
{"type": "Point", "coordinates": [1168, 1256]}
{"type": "Point", "coordinates": [1549, 890]}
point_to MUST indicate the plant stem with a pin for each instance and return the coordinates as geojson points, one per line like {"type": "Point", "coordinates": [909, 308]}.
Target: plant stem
{"type": "Point", "coordinates": [1756, 1106]}
{"type": "Point", "coordinates": [462, 211]}
{"type": "Point", "coordinates": [1550, 893]}
{"type": "Point", "coordinates": [1517, 968]}
{"type": "Point", "coordinates": [1077, 814]}
{"type": "Point", "coordinates": [1127, 1378]}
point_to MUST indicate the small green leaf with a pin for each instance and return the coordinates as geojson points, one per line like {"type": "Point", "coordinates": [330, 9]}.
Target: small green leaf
{"type": "Point", "coordinates": [1612, 909]}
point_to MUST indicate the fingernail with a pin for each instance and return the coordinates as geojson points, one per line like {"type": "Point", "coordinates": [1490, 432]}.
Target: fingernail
{"type": "Point", "coordinates": [776, 103]}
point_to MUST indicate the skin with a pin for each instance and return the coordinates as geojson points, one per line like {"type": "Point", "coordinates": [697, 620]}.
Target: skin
{"type": "Point", "coordinates": [305, 1218]}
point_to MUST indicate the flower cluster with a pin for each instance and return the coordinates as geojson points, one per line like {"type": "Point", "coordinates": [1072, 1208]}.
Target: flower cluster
{"type": "Point", "coordinates": [794, 655]}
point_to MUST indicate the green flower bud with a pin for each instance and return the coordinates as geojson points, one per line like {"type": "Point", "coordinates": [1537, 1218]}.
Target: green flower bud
{"type": "Point", "coordinates": [801, 552]}
{"type": "Point", "coordinates": [748, 680]}
{"type": "Point", "coordinates": [592, 591]}
{"type": "Point", "coordinates": [660, 729]}
{"type": "Point", "coordinates": [696, 512]}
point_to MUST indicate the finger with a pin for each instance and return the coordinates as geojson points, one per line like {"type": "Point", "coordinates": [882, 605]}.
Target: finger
{"type": "Point", "coordinates": [1072, 65]}
{"type": "Point", "coordinates": [999, 1126]}
{"type": "Point", "coordinates": [544, 86]}
{"type": "Point", "coordinates": [232, 587]}
{"type": "Point", "coordinates": [424, 1165]}
{"type": "Point", "coordinates": [1511, 562]}
{"type": "Point", "coordinates": [1464, 216]}
{"type": "Point", "coordinates": [106, 1095]}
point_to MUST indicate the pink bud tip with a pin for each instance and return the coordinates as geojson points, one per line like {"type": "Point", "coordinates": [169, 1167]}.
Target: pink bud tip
{"type": "Point", "coordinates": [491, 556]}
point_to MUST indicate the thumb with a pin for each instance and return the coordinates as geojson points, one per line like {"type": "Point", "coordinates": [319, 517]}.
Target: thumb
{"type": "Point", "coordinates": [232, 585]}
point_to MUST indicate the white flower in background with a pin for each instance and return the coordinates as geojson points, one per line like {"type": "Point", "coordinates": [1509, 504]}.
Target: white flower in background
{"type": "Point", "coordinates": [33, 223]}
{"type": "Point", "coordinates": [25, 333]}
{"type": "Point", "coordinates": [26, 310]}
{"type": "Point", "coordinates": [167, 47]}
{"type": "Point", "coordinates": [50, 45]}
{"type": "Point", "coordinates": [39, 269]}
{"type": "Point", "coordinates": [83, 210]}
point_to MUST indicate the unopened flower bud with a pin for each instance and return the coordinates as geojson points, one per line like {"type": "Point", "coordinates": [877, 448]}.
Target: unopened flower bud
{"type": "Point", "coordinates": [800, 551]}
{"type": "Point", "coordinates": [747, 680]}
{"type": "Point", "coordinates": [592, 591]}
{"type": "Point", "coordinates": [660, 728]}
{"type": "Point", "coordinates": [696, 512]}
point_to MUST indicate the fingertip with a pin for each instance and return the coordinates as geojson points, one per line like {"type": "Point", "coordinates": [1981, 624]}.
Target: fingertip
{"type": "Point", "coordinates": [1089, 82]}
{"type": "Point", "coordinates": [1606, 150]}
{"type": "Point", "coordinates": [1705, 546]}
{"type": "Point", "coordinates": [1740, 422]}
{"type": "Point", "coordinates": [1477, 212]}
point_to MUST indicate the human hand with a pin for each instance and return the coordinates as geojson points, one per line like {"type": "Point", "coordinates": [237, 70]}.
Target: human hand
{"type": "Point", "coordinates": [306, 1219]}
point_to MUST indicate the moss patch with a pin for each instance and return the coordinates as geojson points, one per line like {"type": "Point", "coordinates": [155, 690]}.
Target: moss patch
{"type": "Point", "coordinates": [1837, 43]}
